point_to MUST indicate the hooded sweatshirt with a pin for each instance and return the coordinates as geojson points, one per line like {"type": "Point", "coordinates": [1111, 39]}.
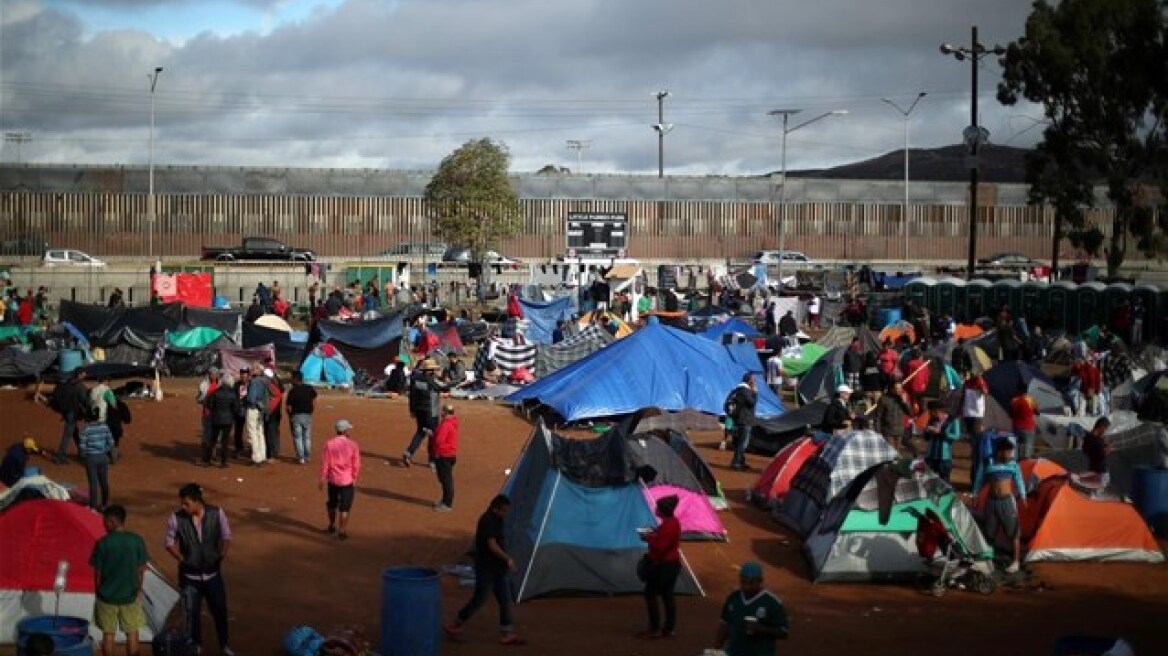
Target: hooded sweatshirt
{"type": "Point", "coordinates": [446, 438]}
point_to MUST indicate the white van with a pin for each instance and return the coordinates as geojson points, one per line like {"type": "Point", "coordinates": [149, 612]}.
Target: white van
{"type": "Point", "coordinates": [70, 257]}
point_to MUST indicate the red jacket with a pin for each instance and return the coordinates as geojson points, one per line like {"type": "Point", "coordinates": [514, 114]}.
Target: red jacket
{"type": "Point", "coordinates": [665, 542]}
{"type": "Point", "coordinates": [446, 438]}
{"type": "Point", "coordinates": [918, 383]}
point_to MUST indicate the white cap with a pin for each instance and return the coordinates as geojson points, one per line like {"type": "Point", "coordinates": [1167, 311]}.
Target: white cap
{"type": "Point", "coordinates": [269, 373]}
{"type": "Point", "coordinates": [843, 389]}
{"type": "Point", "coordinates": [343, 425]}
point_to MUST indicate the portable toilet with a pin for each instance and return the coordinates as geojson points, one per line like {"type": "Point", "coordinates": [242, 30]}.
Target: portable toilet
{"type": "Point", "coordinates": [921, 292]}
{"type": "Point", "coordinates": [1088, 304]}
{"type": "Point", "coordinates": [1149, 297]}
{"type": "Point", "coordinates": [1115, 295]}
{"type": "Point", "coordinates": [1034, 300]}
{"type": "Point", "coordinates": [946, 296]}
{"type": "Point", "coordinates": [1060, 298]}
{"type": "Point", "coordinates": [978, 298]}
{"type": "Point", "coordinates": [1007, 291]}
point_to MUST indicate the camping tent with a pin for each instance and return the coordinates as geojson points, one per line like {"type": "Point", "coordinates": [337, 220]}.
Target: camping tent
{"type": "Point", "coordinates": [553, 357]}
{"type": "Point", "coordinates": [774, 433]}
{"type": "Point", "coordinates": [656, 366]}
{"type": "Point", "coordinates": [1006, 378]}
{"type": "Point", "coordinates": [851, 544]}
{"type": "Point", "coordinates": [326, 366]}
{"type": "Point", "coordinates": [823, 377]}
{"type": "Point", "coordinates": [826, 474]}
{"type": "Point", "coordinates": [35, 536]}
{"type": "Point", "coordinates": [775, 481]}
{"type": "Point", "coordinates": [799, 360]}
{"type": "Point", "coordinates": [574, 514]}
{"type": "Point", "coordinates": [1060, 523]}
{"type": "Point", "coordinates": [275, 322]}
{"type": "Point", "coordinates": [698, 519]}
{"type": "Point", "coordinates": [732, 325]}
{"type": "Point", "coordinates": [1144, 444]}
{"type": "Point", "coordinates": [675, 462]}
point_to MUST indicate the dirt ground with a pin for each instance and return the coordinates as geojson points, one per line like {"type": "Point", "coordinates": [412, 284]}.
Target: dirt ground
{"type": "Point", "coordinates": [283, 571]}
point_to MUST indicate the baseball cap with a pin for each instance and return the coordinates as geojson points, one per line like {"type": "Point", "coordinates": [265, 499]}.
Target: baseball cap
{"type": "Point", "coordinates": [751, 569]}
{"type": "Point", "coordinates": [343, 425]}
{"type": "Point", "coordinates": [843, 389]}
{"type": "Point", "coordinates": [269, 373]}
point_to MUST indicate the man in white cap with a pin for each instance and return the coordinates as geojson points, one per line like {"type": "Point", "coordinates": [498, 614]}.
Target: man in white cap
{"type": "Point", "coordinates": [340, 465]}
{"type": "Point", "coordinates": [838, 414]}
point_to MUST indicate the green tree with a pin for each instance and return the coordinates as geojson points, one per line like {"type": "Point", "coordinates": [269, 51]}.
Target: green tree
{"type": "Point", "coordinates": [471, 200]}
{"type": "Point", "coordinates": [1096, 67]}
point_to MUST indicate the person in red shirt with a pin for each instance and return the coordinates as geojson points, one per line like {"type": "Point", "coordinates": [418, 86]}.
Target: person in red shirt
{"type": "Point", "coordinates": [1090, 384]}
{"type": "Point", "coordinates": [340, 465]}
{"type": "Point", "coordinates": [886, 362]}
{"type": "Point", "coordinates": [662, 566]}
{"type": "Point", "coordinates": [24, 311]}
{"type": "Point", "coordinates": [1096, 448]}
{"type": "Point", "coordinates": [916, 376]}
{"type": "Point", "coordinates": [1023, 408]}
{"type": "Point", "coordinates": [445, 454]}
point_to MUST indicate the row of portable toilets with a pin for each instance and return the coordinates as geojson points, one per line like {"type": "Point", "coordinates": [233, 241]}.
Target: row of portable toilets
{"type": "Point", "coordinates": [1061, 304]}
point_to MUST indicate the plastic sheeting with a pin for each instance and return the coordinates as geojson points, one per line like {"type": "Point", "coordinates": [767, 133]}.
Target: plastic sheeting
{"type": "Point", "coordinates": [656, 366]}
{"type": "Point", "coordinates": [542, 317]}
{"type": "Point", "coordinates": [371, 334]}
{"type": "Point", "coordinates": [16, 364]}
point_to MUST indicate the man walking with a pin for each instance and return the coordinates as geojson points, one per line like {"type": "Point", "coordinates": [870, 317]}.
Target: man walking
{"type": "Point", "coordinates": [492, 566]}
{"type": "Point", "coordinates": [340, 465]}
{"type": "Point", "coordinates": [241, 387]}
{"type": "Point", "coordinates": [445, 455]}
{"type": "Point", "coordinates": [753, 618]}
{"type": "Point", "coordinates": [119, 562]}
{"type": "Point", "coordinates": [95, 444]}
{"type": "Point", "coordinates": [425, 391]}
{"type": "Point", "coordinates": [199, 537]}
{"type": "Point", "coordinates": [271, 412]}
{"type": "Point", "coordinates": [739, 406]}
{"type": "Point", "coordinates": [300, 406]}
{"type": "Point", "coordinates": [1023, 409]}
{"type": "Point", "coordinates": [70, 399]}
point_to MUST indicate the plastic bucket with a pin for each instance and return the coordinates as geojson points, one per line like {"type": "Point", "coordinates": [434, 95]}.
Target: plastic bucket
{"type": "Point", "coordinates": [1150, 496]}
{"type": "Point", "coordinates": [70, 634]}
{"type": "Point", "coordinates": [411, 611]}
{"type": "Point", "coordinates": [889, 316]}
{"type": "Point", "coordinates": [69, 360]}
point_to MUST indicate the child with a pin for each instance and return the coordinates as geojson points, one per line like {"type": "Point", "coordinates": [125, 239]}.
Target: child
{"type": "Point", "coordinates": [940, 433]}
{"type": "Point", "coordinates": [1005, 483]}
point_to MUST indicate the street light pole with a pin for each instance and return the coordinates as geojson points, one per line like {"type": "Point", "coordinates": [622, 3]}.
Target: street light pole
{"type": "Point", "coordinates": [18, 138]}
{"type": "Point", "coordinates": [974, 135]}
{"type": "Point", "coordinates": [579, 145]}
{"type": "Point", "coordinates": [787, 114]}
{"type": "Point", "coordinates": [662, 129]}
{"type": "Point", "coordinates": [150, 194]}
{"type": "Point", "coordinates": [906, 113]}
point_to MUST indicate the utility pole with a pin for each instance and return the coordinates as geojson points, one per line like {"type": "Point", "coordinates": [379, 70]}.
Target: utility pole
{"type": "Point", "coordinates": [662, 129]}
{"type": "Point", "coordinates": [579, 145]}
{"type": "Point", "coordinates": [18, 138]}
{"type": "Point", "coordinates": [905, 113]}
{"type": "Point", "coordinates": [150, 195]}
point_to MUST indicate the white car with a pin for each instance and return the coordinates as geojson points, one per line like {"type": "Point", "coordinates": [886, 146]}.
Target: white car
{"type": "Point", "coordinates": [70, 257]}
{"type": "Point", "coordinates": [788, 257]}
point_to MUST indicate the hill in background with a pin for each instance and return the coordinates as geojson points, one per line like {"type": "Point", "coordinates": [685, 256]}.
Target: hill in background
{"type": "Point", "coordinates": [945, 164]}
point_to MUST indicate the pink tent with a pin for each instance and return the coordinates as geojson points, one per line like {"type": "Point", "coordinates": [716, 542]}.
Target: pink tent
{"type": "Point", "coordinates": [699, 520]}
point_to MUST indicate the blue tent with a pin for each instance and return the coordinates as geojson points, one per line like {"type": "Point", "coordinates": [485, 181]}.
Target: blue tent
{"type": "Point", "coordinates": [656, 366]}
{"type": "Point", "coordinates": [734, 325]}
{"type": "Point", "coordinates": [542, 318]}
{"type": "Point", "coordinates": [576, 507]}
{"type": "Point", "coordinates": [746, 355]}
{"type": "Point", "coordinates": [321, 369]}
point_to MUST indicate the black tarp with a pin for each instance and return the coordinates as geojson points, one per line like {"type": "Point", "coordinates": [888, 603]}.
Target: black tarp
{"type": "Point", "coordinates": [16, 364]}
{"type": "Point", "coordinates": [225, 321]}
{"type": "Point", "coordinates": [106, 327]}
{"type": "Point", "coordinates": [602, 462]}
{"type": "Point", "coordinates": [371, 361]}
{"type": "Point", "coordinates": [772, 434]}
{"type": "Point", "coordinates": [286, 350]}
{"type": "Point", "coordinates": [370, 334]}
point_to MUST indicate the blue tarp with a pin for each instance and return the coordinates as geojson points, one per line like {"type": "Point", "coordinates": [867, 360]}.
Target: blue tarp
{"type": "Point", "coordinates": [746, 355]}
{"type": "Point", "coordinates": [656, 366]}
{"type": "Point", "coordinates": [370, 334]}
{"type": "Point", "coordinates": [543, 318]}
{"type": "Point", "coordinates": [734, 325]}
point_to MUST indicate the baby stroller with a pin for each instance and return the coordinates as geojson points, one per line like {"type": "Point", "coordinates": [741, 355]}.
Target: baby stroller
{"type": "Point", "coordinates": [949, 561]}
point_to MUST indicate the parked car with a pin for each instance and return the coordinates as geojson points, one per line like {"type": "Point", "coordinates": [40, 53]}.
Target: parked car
{"type": "Point", "coordinates": [70, 257]}
{"type": "Point", "coordinates": [25, 244]}
{"type": "Point", "coordinates": [258, 248]}
{"type": "Point", "coordinates": [788, 257]}
{"type": "Point", "coordinates": [1016, 260]}
{"type": "Point", "coordinates": [463, 256]}
{"type": "Point", "coordinates": [429, 250]}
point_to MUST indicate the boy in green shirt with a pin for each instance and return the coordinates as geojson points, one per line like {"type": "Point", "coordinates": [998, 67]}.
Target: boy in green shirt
{"type": "Point", "coordinates": [119, 564]}
{"type": "Point", "coordinates": [753, 618]}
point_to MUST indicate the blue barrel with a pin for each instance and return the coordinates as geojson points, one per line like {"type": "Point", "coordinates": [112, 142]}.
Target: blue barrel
{"type": "Point", "coordinates": [69, 359]}
{"type": "Point", "coordinates": [1150, 496]}
{"type": "Point", "coordinates": [411, 611]}
{"type": "Point", "coordinates": [889, 316]}
{"type": "Point", "coordinates": [70, 634]}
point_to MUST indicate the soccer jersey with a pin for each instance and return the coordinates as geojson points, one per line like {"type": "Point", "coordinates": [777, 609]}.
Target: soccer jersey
{"type": "Point", "coordinates": [768, 611]}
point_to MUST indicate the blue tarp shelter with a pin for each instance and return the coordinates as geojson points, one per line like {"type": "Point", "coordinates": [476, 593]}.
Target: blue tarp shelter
{"type": "Point", "coordinates": [542, 318]}
{"type": "Point", "coordinates": [734, 325]}
{"type": "Point", "coordinates": [656, 366]}
{"type": "Point", "coordinates": [368, 334]}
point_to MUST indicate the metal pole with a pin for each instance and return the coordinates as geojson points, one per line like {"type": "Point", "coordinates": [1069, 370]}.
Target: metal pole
{"type": "Point", "coordinates": [783, 200]}
{"type": "Point", "coordinates": [661, 133]}
{"type": "Point", "coordinates": [904, 228]}
{"type": "Point", "coordinates": [971, 262]}
{"type": "Point", "coordinates": [150, 194]}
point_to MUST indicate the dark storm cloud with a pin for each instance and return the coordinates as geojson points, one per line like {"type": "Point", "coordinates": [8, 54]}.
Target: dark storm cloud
{"type": "Point", "coordinates": [376, 83]}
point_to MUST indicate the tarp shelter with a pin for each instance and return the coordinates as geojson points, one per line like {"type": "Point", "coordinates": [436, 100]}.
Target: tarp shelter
{"type": "Point", "coordinates": [541, 318]}
{"type": "Point", "coordinates": [553, 357]}
{"type": "Point", "coordinates": [1060, 523]}
{"type": "Point", "coordinates": [824, 476]}
{"type": "Point", "coordinates": [367, 345]}
{"type": "Point", "coordinates": [799, 360]}
{"type": "Point", "coordinates": [232, 360]}
{"type": "Point", "coordinates": [775, 481]}
{"type": "Point", "coordinates": [656, 367]}
{"type": "Point", "coordinates": [1007, 378]}
{"type": "Point", "coordinates": [774, 433]}
{"type": "Point", "coordinates": [896, 330]}
{"type": "Point", "coordinates": [842, 336]}
{"type": "Point", "coordinates": [850, 543]}
{"type": "Point", "coordinates": [508, 354]}
{"type": "Point", "coordinates": [573, 520]}
{"type": "Point", "coordinates": [732, 325]}
{"type": "Point", "coordinates": [36, 535]}
{"type": "Point", "coordinates": [326, 366]}
{"type": "Point", "coordinates": [18, 364]}
{"type": "Point", "coordinates": [287, 349]}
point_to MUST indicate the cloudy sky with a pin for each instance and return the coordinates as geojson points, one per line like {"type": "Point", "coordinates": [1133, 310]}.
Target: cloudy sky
{"type": "Point", "coordinates": [401, 83]}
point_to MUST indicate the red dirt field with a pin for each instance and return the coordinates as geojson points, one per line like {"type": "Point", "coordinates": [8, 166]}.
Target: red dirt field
{"type": "Point", "coordinates": [283, 571]}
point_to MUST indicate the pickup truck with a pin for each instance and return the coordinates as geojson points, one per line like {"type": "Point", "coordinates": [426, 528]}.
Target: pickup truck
{"type": "Point", "coordinates": [258, 248]}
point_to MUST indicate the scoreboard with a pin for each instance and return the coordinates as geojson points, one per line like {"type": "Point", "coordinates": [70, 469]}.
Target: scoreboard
{"type": "Point", "coordinates": [597, 234]}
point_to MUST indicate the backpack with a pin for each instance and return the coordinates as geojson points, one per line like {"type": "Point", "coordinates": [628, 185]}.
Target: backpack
{"type": "Point", "coordinates": [275, 396]}
{"type": "Point", "coordinates": [730, 407]}
{"type": "Point", "coordinates": [123, 411]}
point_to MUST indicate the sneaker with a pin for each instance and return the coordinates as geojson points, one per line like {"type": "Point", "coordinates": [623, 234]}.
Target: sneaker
{"type": "Point", "coordinates": [227, 651]}
{"type": "Point", "coordinates": [1012, 569]}
{"type": "Point", "coordinates": [442, 508]}
{"type": "Point", "coordinates": [512, 639]}
{"type": "Point", "coordinates": [433, 466]}
{"type": "Point", "coordinates": [406, 458]}
{"type": "Point", "coordinates": [722, 445]}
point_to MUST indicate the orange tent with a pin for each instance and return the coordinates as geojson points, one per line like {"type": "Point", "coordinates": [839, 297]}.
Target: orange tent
{"type": "Point", "coordinates": [967, 330]}
{"type": "Point", "coordinates": [895, 330]}
{"type": "Point", "coordinates": [1034, 471]}
{"type": "Point", "coordinates": [776, 479]}
{"type": "Point", "coordinates": [1060, 523]}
